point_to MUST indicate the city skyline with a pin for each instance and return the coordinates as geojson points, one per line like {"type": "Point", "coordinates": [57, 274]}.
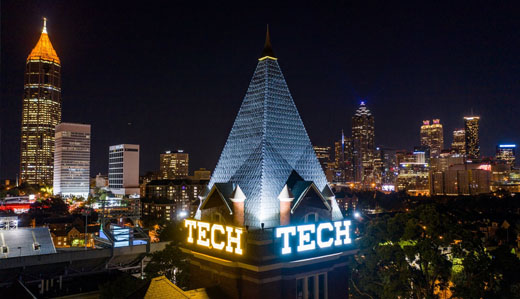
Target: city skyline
{"type": "Point", "coordinates": [87, 99]}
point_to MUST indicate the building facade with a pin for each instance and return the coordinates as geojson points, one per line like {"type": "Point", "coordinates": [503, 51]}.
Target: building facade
{"type": "Point", "coordinates": [267, 183]}
{"type": "Point", "coordinates": [432, 136]}
{"type": "Point", "coordinates": [459, 142]}
{"type": "Point", "coordinates": [471, 137]}
{"type": "Point", "coordinates": [72, 160]}
{"type": "Point", "coordinates": [363, 145]}
{"type": "Point", "coordinates": [174, 165]}
{"type": "Point", "coordinates": [41, 112]}
{"type": "Point", "coordinates": [172, 199]}
{"type": "Point", "coordinates": [506, 153]}
{"type": "Point", "coordinates": [123, 169]}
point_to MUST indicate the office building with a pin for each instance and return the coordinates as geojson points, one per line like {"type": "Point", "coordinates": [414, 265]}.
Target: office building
{"type": "Point", "coordinates": [41, 112]}
{"type": "Point", "coordinates": [471, 137]}
{"type": "Point", "coordinates": [363, 145]}
{"type": "Point", "coordinates": [174, 165]}
{"type": "Point", "coordinates": [172, 199]}
{"type": "Point", "coordinates": [432, 136]}
{"type": "Point", "coordinates": [323, 155]}
{"type": "Point", "coordinates": [72, 160]}
{"type": "Point", "coordinates": [462, 179]}
{"type": "Point", "coordinates": [268, 181]}
{"type": "Point", "coordinates": [123, 169]}
{"type": "Point", "coordinates": [506, 153]}
{"type": "Point", "coordinates": [459, 142]}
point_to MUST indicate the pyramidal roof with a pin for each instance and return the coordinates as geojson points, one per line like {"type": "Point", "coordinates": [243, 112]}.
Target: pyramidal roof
{"type": "Point", "coordinates": [363, 110]}
{"type": "Point", "coordinates": [266, 143]}
{"type": "Point", "coordinates": [43, 49]}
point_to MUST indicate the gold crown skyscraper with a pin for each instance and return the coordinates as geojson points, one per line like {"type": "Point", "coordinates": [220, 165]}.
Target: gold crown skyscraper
{"type": "Point", "coordinates": [41, 111]}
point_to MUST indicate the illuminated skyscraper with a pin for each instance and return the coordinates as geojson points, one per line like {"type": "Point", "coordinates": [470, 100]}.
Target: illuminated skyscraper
{"type": "Point", "coordinates": [363, 141]}
{"type": "Point", "coordinates": [72, 160]}
{"type": "Point", "coordinates": [506, 153]}
{"type": "Point", "coordinates": [459, 141]}
{"type": "Point", "coordinates": [471, 137]}
{"type": "Point", "coordinates": [41, 112]}
{"type": "Point", "coordinates": [174, 165]}
{"type": "Point", "coordinates": [432, 136]}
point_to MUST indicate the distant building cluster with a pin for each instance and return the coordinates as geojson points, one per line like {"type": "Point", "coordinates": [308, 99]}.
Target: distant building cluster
{"type": "Point", "coordinates": [430, 169]}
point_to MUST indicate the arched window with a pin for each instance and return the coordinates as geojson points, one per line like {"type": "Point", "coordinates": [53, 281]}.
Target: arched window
{"type": "Point", "coordinates": [311, 217]}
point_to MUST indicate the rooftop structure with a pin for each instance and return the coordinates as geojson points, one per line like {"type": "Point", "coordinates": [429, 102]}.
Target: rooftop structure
{"type": "Point", "coordinates": [266, 144]}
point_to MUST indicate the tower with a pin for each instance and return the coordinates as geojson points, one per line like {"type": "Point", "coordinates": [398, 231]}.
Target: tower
{"type": "Point", "coordinates": [471, 128]}
{"type": "Point", "coordinates": [266, 184]}
{"type": "Point", "coordinates": [432, 137]}
{"type": "Point", "coordinates": [41, 111]}
{"type": "Point", "coordinates": [459, 141]}
{"type": "Point", "coordinates": [363, 144]}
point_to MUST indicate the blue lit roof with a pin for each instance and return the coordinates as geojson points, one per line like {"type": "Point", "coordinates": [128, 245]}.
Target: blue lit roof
{"type": "Point", "coordinates": [507, 145]}
{"type": "Point", "coordinates": [266, 143]}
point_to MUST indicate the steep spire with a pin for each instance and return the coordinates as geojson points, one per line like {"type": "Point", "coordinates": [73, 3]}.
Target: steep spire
{"type": "Point", "coordinates": [43, 49]}
{"type": "Point", "coordinates": [268, 49]}
{"type": "Point", "coordinates": [44, 25]}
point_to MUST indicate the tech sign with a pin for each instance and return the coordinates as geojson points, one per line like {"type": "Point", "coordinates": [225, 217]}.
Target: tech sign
{"type": "Point", "coordinates": [311, 237]}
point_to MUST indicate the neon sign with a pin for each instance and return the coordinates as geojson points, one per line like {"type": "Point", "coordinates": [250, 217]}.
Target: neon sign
{"type": "Point", "coordinates": [214, 236]}
{"type": "Point", "coordinates": [312, 236]}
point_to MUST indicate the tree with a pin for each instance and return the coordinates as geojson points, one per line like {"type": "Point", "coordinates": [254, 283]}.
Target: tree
{"type": "Point", "coordinates": [409, 255]}
{"type": "Point", "coordinates": [170, 262]}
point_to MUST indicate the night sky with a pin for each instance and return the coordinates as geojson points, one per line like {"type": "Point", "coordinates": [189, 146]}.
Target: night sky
{"type": "Point", "coordinates": [173, 75]}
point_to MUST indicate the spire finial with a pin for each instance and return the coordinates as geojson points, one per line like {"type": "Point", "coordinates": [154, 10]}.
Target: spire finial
{"type": "Point", "coordinates": [268, 49]}
{"type": "Point", "coordinates": [44, 25]}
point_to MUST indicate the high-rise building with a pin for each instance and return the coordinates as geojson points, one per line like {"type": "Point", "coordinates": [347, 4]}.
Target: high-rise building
{"type": "Point", "coordinates": [41, 112]}
{"type": "Point", "coordinates": [266, 181]}
{"type": "Point", "coordinates": [432, 136]}
{"type": "Point", "coordinates": [506, 153]}
{"type": "Point", "coordinates": [72, 160]}
{"type": "Point", "coordinates": [123, 169]}
{"type": "Point", "coordinates": [363, 144]}
{"type": "Point", "coordinates": [471, 136]}
{"type": "Point", "coordinates": [174, 165]}
{"type": "Point", "coordinates": [323, 155]}
{"type": "Point", "coordinates": [459, 141]}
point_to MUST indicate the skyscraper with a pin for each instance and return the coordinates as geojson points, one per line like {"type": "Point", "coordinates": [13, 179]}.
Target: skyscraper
{"type": "Point", "coordinates": [459, 141]}
{"type": "Point", "coordinates": [72, 160]}
{"type": "Point", "coordinates": [123, 169]}
{"type": "Point", "coordinates": [363, 141]}
{"type": "Point", "coordinates": [506, 153]}
{"type": "Point", "coordinates": [174, 165]}
{"type": "Point", "coordinates": [432, 136]}
{"type": "Point", "coordinates": [41, 112]}
{"type": "Point", "coordinates": [471, 128]}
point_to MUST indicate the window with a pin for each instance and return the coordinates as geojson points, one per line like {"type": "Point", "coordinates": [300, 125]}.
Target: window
{"type": "Point", "coordinates": [312, 287]}
{"type": "Point", "coordinates": [216, 217]}
{"type": "Point", "coordinates": [310, 218]}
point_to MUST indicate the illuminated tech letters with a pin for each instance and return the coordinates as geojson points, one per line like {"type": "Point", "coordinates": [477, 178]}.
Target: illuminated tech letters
{"type": "Point", "coordinates": [325, 235]}
{"type": "Point", "coordinates": [214, 236]}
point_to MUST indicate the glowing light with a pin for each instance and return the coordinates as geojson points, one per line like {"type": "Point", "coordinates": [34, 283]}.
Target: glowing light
{"type": "Point", "coordinates": [305, 237]}
{"type": "Point", "coordinates": [507, 146]}
{"type": "Point", "coordinates": [214, 228]}
{"type": "Point", "coordinates": [357, 215]}
{"type": "Point", "coordinates": [208, 235]}
{"type": "Point", "coordinates": [203, 230]}
{"type": "Point", "coordinates": [285, 231]}
{"type": "Point", "coordinates": [319, 239]}
{"type": "Point", "coordinates": [309, 236]}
